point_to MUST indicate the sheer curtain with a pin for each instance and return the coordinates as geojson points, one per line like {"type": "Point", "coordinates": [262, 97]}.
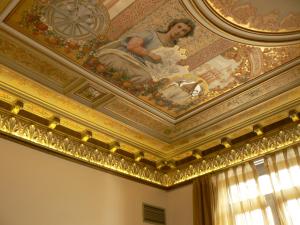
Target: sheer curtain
{"type": "Point", "coordinates": [259, 193]}
{"type": "Point", "coordinates": [239, 198]}
{"type": "Point", "coordinates": [284, 171]}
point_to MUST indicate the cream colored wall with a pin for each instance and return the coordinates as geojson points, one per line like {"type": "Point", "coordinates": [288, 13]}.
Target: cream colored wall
{"type": "Point", "coordinates": [40, 189]}
{"type": "Point", "coordinates": [180, 206]}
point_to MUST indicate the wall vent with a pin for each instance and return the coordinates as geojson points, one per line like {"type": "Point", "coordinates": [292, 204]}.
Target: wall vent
{"type": "Point", "coordinates": [154, 215]}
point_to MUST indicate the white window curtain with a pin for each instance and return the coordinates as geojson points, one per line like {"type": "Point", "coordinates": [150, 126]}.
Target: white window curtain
{"type": "Point", "coordinates": [284, 171]}
{"type": "Point", "coordinates": [260, 194]}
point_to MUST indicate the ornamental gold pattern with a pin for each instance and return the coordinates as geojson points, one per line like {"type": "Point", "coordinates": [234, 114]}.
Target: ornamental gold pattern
{"type": "Point", "coordinates": [37, 134]}
{"type": "Point", "coordinates": [248, 151]}
{"type": "Point", "coordinates": [42, 136]}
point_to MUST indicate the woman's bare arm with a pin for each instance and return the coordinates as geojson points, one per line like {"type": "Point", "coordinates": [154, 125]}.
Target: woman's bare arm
{"type": "Point", "coordinates": [136, 45]}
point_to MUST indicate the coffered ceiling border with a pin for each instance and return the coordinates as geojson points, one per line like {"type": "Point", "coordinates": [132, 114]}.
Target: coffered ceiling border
{"type": "Point", "coordinates": [62, 106]}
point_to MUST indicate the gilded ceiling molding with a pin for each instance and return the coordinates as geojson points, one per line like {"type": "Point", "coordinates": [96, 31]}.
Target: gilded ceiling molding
{"type": "Point", "coordinates": [43, 136]}
{"type": "Point", "coordinates": [29, 131]}
{"type": "Point", "coordinates": [233, 156]}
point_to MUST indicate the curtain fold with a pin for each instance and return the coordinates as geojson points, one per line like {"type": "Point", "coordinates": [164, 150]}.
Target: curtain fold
{"type": "Point", "coordinates": [239, 198]}
{"type": "Point", "coordinates": [266, 192]}
{"type": "Point", "coordinates": [203, 201]}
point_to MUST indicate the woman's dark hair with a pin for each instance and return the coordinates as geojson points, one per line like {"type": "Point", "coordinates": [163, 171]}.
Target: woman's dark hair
{"type": "Point", "coordinates": [186, 21]}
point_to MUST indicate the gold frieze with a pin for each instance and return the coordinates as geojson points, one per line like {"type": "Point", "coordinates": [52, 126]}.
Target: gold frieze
{"type": "Point", "coordinates": [30, 131]}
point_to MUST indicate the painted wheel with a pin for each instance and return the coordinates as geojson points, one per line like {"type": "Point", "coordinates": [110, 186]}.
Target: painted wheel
{"type": "Point", "coordinates": [77, 19]}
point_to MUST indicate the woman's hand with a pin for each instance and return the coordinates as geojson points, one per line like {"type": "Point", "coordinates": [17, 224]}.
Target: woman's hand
{"type": "Point", "coordinates": [155, 58]}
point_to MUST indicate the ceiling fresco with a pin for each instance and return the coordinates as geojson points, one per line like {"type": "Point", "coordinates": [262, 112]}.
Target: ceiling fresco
{"type": "Point", "coordinates": [152, 50]}
{"type": "Point", "coordinates": [279, 17]}
{"type": "Point", "coordinates": [251, 22]}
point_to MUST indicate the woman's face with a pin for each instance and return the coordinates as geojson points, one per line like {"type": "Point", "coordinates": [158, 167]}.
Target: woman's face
{"type": "Point", "coordinates": [179, 30]}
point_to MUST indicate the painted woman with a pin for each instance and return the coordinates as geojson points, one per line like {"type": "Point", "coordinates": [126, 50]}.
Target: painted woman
{"type": "Point", "coordinates": [130, 54]}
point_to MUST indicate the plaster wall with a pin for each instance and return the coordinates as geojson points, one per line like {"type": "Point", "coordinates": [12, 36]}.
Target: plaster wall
{"type": "Point", "coordinates": [42, 189]}
{"type": "Point", "coordinates": [180, 206]}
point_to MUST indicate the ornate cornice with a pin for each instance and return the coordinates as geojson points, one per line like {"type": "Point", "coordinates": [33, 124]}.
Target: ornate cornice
{"type": "Point", "coordinates": [255, 148]}
{"type": "Point", "coordinates": [40, 135]}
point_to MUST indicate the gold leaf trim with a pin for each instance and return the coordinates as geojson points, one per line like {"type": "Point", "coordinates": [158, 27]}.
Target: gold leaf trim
{"type": "Point", "coordinates": [37, 134]}
{"type": "Point", "coordinates": [32, 132]}
{"type": "Point", "coordinates": [248, 151]}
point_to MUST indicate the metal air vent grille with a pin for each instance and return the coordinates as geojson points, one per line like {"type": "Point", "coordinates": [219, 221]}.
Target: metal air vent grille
{"type": "Point", "coordinates": [154, 215]}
